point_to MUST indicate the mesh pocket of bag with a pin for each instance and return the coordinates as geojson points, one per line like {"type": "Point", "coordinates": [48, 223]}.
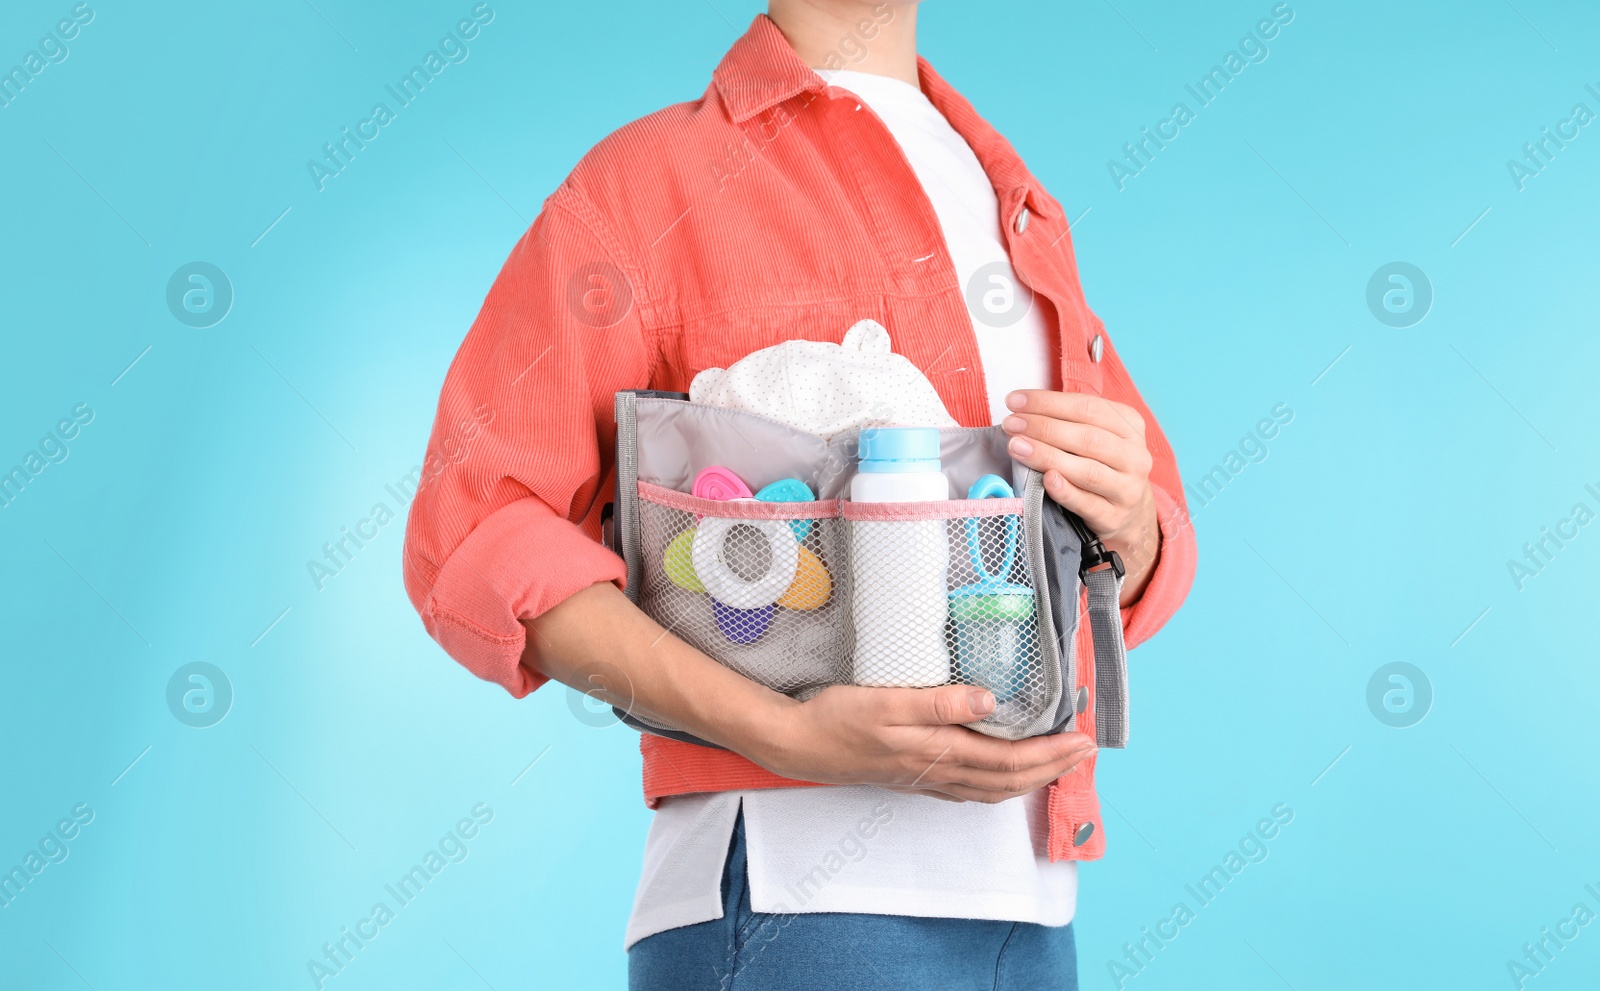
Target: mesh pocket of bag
{"type": "Point", "coordinates": [760, 587]}
{"type": "Point", "coordinates": [944, 593]}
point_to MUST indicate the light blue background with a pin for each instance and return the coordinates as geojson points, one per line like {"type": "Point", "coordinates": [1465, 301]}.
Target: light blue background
{"type": "Point", "coordinates": [1231, 277]}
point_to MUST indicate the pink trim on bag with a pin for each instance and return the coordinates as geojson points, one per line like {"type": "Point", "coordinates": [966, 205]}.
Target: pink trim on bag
{"type": "Point", "coordinates": [948, 509]}
{"type": "Point", "coordinates": [826, 509]}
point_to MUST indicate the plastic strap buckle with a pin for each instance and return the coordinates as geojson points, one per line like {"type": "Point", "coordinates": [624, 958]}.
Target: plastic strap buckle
{"type": "Point", "coordinates": [1095, 553]}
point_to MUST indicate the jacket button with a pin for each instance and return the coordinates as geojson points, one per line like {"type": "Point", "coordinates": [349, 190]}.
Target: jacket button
{"type": "Point", "coordinates": [1022, 219]}
{"type": "Point", "coordinates": [1081, 835]}
{"type": "Point", "coordinates": [1097, 347]}
{"type": "Point", "coordinates": [1082, 702]}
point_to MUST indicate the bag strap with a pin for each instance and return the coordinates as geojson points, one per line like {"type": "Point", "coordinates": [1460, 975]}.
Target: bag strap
{"type": "Point", "coordinates": [1110, 657]}
{"type": "Point", "coordinates": [1102, 572]}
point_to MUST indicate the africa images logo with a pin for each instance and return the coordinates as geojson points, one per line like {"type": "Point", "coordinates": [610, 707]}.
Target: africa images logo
{"type": "Point", "coordinates": [452, 50]}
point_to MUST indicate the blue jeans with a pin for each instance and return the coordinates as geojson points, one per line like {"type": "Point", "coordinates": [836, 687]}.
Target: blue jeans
{"type": "Point", "coordinates": [847, 951]}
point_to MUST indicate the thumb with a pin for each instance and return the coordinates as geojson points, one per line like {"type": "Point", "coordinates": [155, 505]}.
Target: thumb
{"type": "Point", "coordinates": [953, 704]}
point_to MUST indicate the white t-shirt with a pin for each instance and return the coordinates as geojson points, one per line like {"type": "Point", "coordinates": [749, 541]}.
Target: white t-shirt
{"type": "Point", "coordinates": [1016, 346]}
{"type": "Point", "coordinates": [861, 848]}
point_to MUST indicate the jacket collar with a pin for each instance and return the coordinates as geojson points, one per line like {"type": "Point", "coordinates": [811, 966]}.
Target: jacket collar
{"type": "Point", "coordinates": [762, 70]}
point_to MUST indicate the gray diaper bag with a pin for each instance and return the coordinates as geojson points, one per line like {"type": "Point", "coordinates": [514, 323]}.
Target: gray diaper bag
{"type": "Point", "coordinates": [767, 586]}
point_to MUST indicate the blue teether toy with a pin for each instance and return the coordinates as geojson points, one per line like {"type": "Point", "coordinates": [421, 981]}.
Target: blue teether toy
{"type": "Point", "coordinates": [790, 490]}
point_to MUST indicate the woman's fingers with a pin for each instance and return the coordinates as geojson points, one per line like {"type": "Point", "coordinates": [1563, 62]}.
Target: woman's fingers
{"type": "Point", "coordinates": [1080, 407]}
{"type": "Point", "coordinates": [964, 793]}
{"type": "Point", "coordinates": [993, 770]}
{"type": "Point", "coordinates": [946, 705]}
{"type": "Point", "coordinates": [997, 786]}
{"type": "Point", "coordinates": [912, 740]}
{"type": "Point", "coordinates": [1116, 487]}
{"type": "Point", "coordinates": [986, 753]}
{"type": "Point", "coordinates": [1083, 439]}
{"type": "Point", "coordinates": [1095, 510]}
{"type": "Point", "coordinates": [927, 792]}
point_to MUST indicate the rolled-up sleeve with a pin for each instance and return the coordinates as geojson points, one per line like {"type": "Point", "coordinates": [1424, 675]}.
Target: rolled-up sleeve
{"type": "Point", "coordinates": [1174, 572]}
{"type": "Point", "coordinates": [505, 521]}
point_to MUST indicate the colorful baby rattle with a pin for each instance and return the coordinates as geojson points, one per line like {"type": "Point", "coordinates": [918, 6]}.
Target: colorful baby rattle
{"type": "Point", "coordinates": [743, 607]}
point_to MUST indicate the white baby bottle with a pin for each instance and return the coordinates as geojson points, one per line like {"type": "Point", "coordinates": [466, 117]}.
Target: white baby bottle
{"type": "Point", "coordinates": [897, 569]}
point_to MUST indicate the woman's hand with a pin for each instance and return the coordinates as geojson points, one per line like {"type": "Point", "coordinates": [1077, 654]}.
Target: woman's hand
{"type": "Point", "coordinates": [911, 740]}
{"type": "Point", "coordinates": [1095, 462]}
{"type": "Point", "coordinates": [908, 739]}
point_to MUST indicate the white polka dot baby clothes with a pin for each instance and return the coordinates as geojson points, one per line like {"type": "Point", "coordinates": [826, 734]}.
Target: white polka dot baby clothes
{"type": "Point", "coordinates": [827, 389]}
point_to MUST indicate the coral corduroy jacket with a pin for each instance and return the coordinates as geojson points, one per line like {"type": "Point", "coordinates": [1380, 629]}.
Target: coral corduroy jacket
{"type": "Point", "coordinates": [773, 208]}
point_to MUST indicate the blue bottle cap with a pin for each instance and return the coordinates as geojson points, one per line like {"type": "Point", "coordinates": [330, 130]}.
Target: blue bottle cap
{"type": "Point", "coordinates": [891, 449]}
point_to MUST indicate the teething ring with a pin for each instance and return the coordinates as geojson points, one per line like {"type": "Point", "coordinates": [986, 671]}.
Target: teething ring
{"type": "Point", "coordinates": [723, 583]}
